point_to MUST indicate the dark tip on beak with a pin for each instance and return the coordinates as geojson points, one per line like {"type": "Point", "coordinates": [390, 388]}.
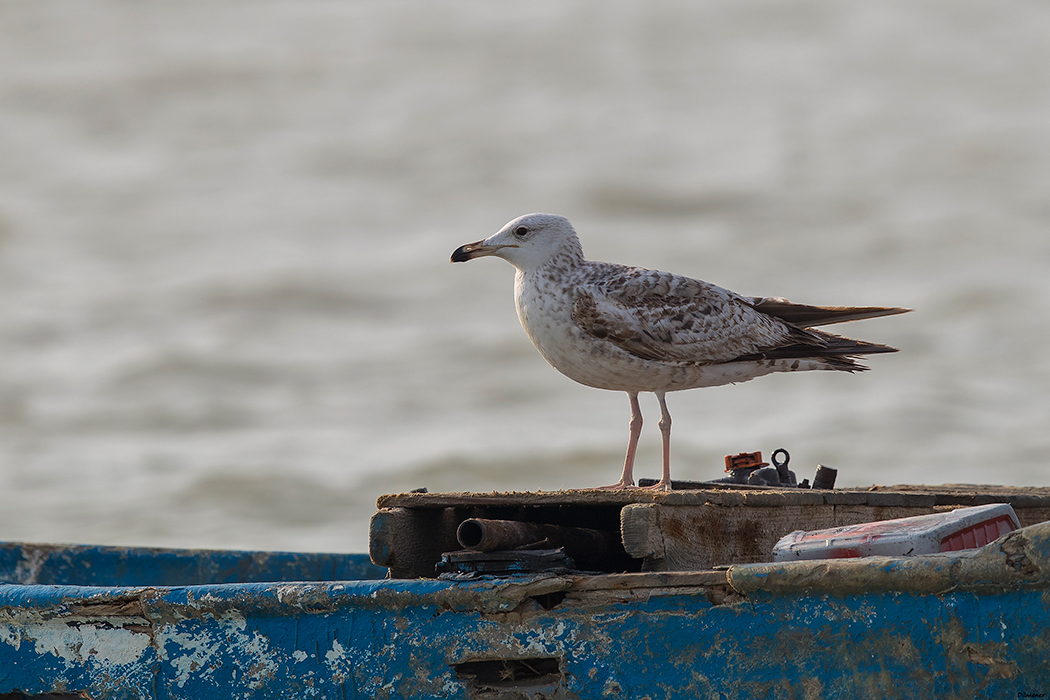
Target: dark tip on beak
{"type": "Point", "coordinates": [462, 253]}
{"type": "Point", "coordinates": [467, 252]}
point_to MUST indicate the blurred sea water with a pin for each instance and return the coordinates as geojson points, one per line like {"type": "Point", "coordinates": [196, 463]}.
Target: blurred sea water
{"type": "Point", "coordinates": [227, 316]}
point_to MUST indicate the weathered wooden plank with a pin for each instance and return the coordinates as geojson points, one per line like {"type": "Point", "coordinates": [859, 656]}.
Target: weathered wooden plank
{"type": "Point", "coordinates": [901, 495]}
{"type": "Point", "coordinates": [650, 579]}
{"type": "Point", "coordinates": [851, 498]}
{"type": "Point", "coordinates": [667, 531]}
{"type": "Point", "coordinates": [1032, 516]}
{"type": "Point", "coordinates": [996, 489]}
{"type": "Point", "coordinates": [977, 494]}
{"type": "Point", "coordinates": [890, 499]}
{"type": "Point", "coordinates": [853, 515]}
{"type": "Point", "coordinates": [580, 497]}
{"type": "Point", "coordinates": [640, 531]}
{"type": "Point", "coordinates": [411, 541]}
{"type": "Point", "coordinates": [677, 538]}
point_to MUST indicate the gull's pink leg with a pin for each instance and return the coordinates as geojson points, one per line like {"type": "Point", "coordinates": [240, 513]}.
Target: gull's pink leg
{"type": "Point", "coordinates": [664, 484]}
{"type": "Point", "coordinates": [627, 478]}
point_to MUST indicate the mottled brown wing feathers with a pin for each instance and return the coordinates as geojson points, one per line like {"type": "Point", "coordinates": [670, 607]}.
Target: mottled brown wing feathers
{"type": "Point", "coordinates": [615, 326]}
{"type": "Point", "coordinates": [668, 318]}
{"type": "Point", "coordinates": [704, 329]}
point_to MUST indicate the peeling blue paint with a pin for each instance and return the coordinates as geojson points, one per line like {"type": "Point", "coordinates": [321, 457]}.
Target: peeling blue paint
{"type": "Point", "coordinates": [88, 565]}
{"type": "Point", "coordinates": [654, 636]}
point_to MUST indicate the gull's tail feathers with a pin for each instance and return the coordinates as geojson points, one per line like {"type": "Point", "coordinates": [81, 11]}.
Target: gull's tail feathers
{"type": "Point", "coordinates": [806, 316]}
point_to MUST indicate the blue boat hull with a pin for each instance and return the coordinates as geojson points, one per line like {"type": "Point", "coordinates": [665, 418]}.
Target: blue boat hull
{"type": "Point", "coordinates": [968, 626]}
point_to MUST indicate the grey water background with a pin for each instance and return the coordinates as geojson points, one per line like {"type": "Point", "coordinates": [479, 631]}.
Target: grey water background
{"type": "Point", "coordinates": [227, 315]}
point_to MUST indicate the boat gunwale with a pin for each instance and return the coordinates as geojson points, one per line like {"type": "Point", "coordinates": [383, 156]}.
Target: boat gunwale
{"type": "Point", "coordinates": [1016, 560]}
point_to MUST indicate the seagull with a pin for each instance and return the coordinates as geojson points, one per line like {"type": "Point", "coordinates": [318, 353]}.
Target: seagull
{"type": "Point", "coordinates": [631, 329]}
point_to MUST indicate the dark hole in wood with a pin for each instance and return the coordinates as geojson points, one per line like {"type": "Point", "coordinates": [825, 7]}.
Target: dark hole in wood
{"type": "Point", "coordinates": [549, 601]}
{"type": "Point", "coordinates": [509, 673]}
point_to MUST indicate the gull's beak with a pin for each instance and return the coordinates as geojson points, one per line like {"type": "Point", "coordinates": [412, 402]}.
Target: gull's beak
{"type": "Point", "coordinates": [476, 250]}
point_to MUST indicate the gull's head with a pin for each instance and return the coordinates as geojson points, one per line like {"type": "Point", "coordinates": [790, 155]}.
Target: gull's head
{"type": "Point", "coordinates": [527, 243]}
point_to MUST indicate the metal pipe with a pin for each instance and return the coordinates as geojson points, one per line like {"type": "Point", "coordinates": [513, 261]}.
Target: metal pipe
{"type": "Point", "coordinates": [584, 545]}
{"type": "Point", "coordinates": [487, 535]}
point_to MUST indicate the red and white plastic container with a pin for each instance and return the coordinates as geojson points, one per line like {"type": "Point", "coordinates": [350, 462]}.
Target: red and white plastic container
{"type": "Point", "coordinates": [951, 531]}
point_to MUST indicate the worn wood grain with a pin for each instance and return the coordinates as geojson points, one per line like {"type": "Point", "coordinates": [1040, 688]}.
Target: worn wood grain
{"type": "Point", "coordinates": [660, 579]}
{"type": "Point", "coordinates": [883, 496]}
{"type": "Point", "coordinates": [677, 538]}
{"type": "Point", "coordinates": [671, 531]}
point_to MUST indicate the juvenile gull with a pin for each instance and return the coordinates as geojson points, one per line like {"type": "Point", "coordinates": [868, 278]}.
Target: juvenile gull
{"type": "Point", "coordinates": [631, 329]}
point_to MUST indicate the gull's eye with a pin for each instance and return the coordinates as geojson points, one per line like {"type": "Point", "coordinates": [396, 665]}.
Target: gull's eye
{"type": "Point", "coordinates": [521, 232]}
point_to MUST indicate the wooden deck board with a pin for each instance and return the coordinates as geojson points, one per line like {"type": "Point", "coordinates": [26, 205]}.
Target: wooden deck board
{"type": "Point", "coordinates": [899, 495]}
{"type": "Point", "coordinates": [682, 530]}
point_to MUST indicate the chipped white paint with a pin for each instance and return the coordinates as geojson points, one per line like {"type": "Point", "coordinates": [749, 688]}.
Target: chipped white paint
{"type": "Point", "coordinates": [286, 593]}
{"type": "Point", "coordinates": [343, 661]}
{"type": "Point", "coordinates": [337, 662]}
{"type": "Point", "coordinates": [451, 687]}
{"type": "Point", "coordinates": [121, 647]}
{"type": "Point", "coordinates": [11, 634]}
{"type": "Point", "coordinates": [76, 639]}
{"type": "Point", "coordinates": [265, 666]}
{"type": "Point", "coordinates": [192, 651]}
{"type": "Point", "coordinates": [335, 655]}
{"type": "Point", "coordinates": [291, 594]}
{"type": "Point", "coordinates": [549, 640]}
